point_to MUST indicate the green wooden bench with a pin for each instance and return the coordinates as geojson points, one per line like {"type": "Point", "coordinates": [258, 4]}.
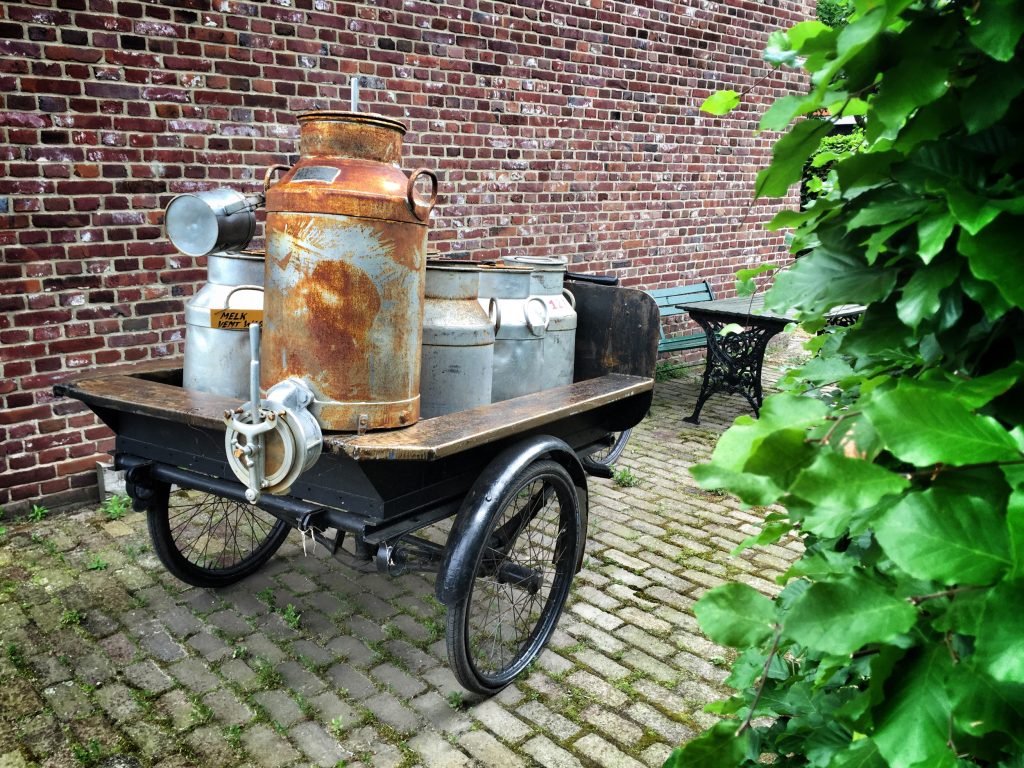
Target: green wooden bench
{"type": "Point", "coordinates": [667, 298]}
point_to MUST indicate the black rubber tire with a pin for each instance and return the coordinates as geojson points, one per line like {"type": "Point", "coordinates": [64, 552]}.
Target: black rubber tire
{"type": "Point", "coordinates": [178, 519]}
{"type": "Point", "coordinates": [609, 456]}
{"type": "Point", "coordinates": [549, 533]}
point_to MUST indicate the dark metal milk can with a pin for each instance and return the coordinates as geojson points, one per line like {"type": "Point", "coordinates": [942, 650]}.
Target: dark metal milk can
{"type": "Point", "coordinates": [346, 238]}
{"type": "Point", "coordinates": [458, 340]}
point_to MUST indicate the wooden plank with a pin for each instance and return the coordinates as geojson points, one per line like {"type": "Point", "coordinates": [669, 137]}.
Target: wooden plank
{"type": "Point", "coordinates": [163, 368]}
{"type": "Point", "coordinates": [133, 394]}
{"type": "Point", "coordinates": [446, 435]}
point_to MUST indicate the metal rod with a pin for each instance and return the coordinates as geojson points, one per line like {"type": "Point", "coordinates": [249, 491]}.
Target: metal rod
{"type": "Point", "coordinates": [354, 92]}
{"type": "Point", "coordinates": [282, 507]}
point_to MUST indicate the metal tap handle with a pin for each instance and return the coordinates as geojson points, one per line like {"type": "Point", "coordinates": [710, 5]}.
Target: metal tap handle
{"type": "Point", "coordinates": [254, 370]}
{"type": "Point", "coordinates": [257, 468]}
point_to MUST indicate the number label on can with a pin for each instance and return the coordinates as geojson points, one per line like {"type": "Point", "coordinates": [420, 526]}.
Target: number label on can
{"type": "Point", "coordinates": [235, 319]}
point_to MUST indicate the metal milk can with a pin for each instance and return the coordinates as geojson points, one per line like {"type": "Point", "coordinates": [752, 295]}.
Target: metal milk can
{"type": "Point", "coordinates": [522, 322]}
{"type": "Point", "coordinates": [346, 236]}
{"type": "Point", "coordinates": [559, 346]}
{"type": "Point", "coordinates": [217, 321]}
{"type": "Point", "coordinates": [458, 340]}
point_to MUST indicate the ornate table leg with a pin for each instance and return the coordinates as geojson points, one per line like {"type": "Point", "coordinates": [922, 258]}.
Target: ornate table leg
{"type": "Point", "coordinates": [733, 361]}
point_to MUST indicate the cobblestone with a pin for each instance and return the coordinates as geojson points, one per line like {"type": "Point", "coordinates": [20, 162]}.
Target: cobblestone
{"type": "Point", "coordinates": [188, 673]}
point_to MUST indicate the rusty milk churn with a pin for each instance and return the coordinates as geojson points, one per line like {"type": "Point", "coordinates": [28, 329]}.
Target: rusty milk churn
{"type": "Point", "coordinates": [559, 345]}
{"type": "Point", "coordinates": [346, 239]}
{"type": "Point", "coordinates": [522, 322]}
{"type": "Point", "coordinates": [217, 321]}
{"type": "Point", "coordinates": [458, 340]}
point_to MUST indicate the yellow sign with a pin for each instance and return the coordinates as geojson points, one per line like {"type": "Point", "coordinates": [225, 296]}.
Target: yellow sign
{"type": "Point", "coordinates": [235, 319]}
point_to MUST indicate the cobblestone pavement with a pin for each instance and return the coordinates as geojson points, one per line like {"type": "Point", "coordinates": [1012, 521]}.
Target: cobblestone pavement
{"type": "Point", "coordinates": [108, 660]}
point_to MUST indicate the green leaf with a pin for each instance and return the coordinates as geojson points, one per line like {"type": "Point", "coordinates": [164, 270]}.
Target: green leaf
{"type": "Point", "coordinates": [827, 278]}
{"type": "Point", "coordinates": [861, 754]}
{"type": "Point", "coordinates": [844, 615]}
{"type": "Point", "coordinates": [789, 154]}
{"type": "Point", "coordinates": [1000, 25]}
{"type": "Point", "coordinates": [751, 489]}
{"type": "Point", "coordinates": [717, 747]}
{"type": "Point", "coordinates": [839, 487]}
{"type": "Point", "coordinates": [914, 82]}
{"type": "Point", "coordinates": [924, 427]}
{"type": "Point", "coordinates": [933, 230]}
{"type": "Point", "coordinates": [1015, 524]}
{"type": "Point", "coordinates": [735, 615]}
{"type": "Point", "coordinates": [999, 647]}
{"type": "Point", "coordinates": [945, 537]}
{"type": "Point", "coordinates": [993, 256]}
{"type": "Point", "coordinates": [978, 391]}
{"type": "Point", "coordinates": [778, 52]}
{"type": "Point", "coordinates": [885, 209]}
{"type": "Point", "coordinates": [912, 725]}
{"type": "Point", "coordinates": [972, 212]}
{"type": "Point", "coordinates": [920, 297]}
{"type": "Point", "coordinates": [720, 102]}
{"type": "Point", "coordinates": [981, 705]}
{"type": "Point", "coordinates": [987, 100]}
{"type": "Point", "coordinates": [787, 219]}
{"type": "Point", "coordinates": [809, 32]}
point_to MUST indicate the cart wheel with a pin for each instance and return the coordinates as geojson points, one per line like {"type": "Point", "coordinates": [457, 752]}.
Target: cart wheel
{"type": "Point", "coordinates": [209, 541]}
{"type": "Point", "coordinates": [608, 456]}
{"type": "Point", "coordinates": [520, 580]}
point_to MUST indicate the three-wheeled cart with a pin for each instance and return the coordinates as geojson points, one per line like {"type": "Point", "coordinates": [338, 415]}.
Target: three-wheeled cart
{"type": "Point", "coordinates": [513, 474]}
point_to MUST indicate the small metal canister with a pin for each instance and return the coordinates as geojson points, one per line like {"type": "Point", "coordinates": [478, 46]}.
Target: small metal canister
{"type": "Point", "coordinates": [346, 238]}
{"type": "Point", "coordinates": [559, 347]}
{"type": "Point", "coordinates": [458, 341]}
{"type": "Point", "coordinates": [217, 319]}
{"type": "Point", "coordinates": [522, 325]}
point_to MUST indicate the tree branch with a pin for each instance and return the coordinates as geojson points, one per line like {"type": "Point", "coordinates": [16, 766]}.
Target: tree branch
{"type": "Point", "coordinates": [762, 681]}
{"type": "Point", "coordinates": [918, 599]}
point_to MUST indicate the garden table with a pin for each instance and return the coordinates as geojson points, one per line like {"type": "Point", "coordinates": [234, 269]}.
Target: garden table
{"type": "Point", "coordinates": [734, 360]}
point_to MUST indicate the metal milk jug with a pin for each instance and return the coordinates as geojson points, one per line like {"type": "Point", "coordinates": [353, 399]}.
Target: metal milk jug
{"type": "Point", "coordinates": [522, 322]}
{"type": "Point", "coordinates": [217, 322]}
{"type": "Point", "coordinates": [458, 341]}
{"type": "Point", "coordinates": [559, 346]}
{"type": "Point", "coordinates": [346, 237]}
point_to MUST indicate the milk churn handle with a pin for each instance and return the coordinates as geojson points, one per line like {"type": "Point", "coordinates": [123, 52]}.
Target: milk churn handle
{"type": "Point", "coordinates": [270, 172]}
{"type": "Point", "coordinates": [233, 291]}
{"type": "Point", "coordinates": [547, 316]}
{"type": "Point", "coordinates": [421, 210]}
{"type": "Point", "coordinates": [568, 295]}
{"type": "Point", "coordinates": [494, 311]}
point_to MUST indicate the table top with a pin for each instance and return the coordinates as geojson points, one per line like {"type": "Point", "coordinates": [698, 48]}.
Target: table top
{"type": "Point", "coordinates": [743, 308]}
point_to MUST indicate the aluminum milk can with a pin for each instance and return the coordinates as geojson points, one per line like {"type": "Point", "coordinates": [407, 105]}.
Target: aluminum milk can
{"type": "Point", "coordinates": [522, 322]}
{"type": "Point", "coordinates": [217, 322]}
{"type": "Point", "coordinates": [346, 236]}
{"type": "Point", "coordinates": [458, 341]}
{"type": "Point", "coordinates": [559, 346]}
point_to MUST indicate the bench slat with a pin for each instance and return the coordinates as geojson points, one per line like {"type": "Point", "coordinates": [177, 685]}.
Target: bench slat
{"type": "Point", "coordinates": [666, 299]}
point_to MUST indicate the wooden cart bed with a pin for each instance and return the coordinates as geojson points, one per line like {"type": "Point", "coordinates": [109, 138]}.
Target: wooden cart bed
{"type": "Point", "coordinates": [151, 389]}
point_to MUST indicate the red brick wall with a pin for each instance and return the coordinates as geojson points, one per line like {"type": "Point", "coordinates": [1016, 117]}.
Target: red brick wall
{"type": "Point", "coordinates": [568, 127]}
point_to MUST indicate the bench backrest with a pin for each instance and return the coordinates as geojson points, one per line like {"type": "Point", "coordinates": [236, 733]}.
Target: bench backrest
{"type": "Point", "coordinates": [667, 298]}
